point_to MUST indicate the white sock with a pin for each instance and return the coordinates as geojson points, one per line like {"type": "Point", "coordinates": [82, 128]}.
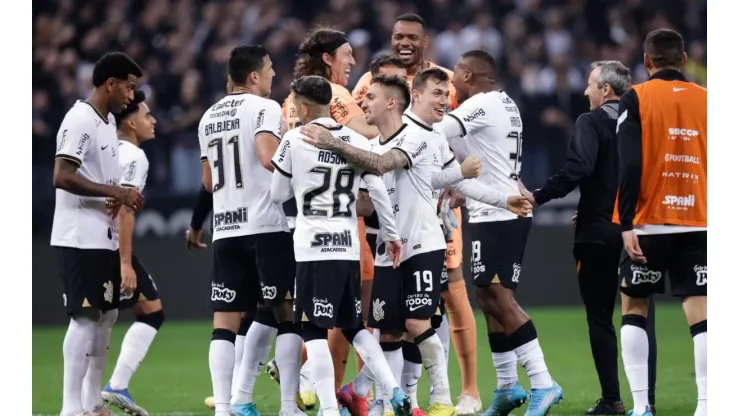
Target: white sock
{"type": "Point", "coordinates": [410, 380]}
{"type": "Point", "coordinates": [363, 381]}
{"type": "Point", "coordinates": [371, 353]}
{"type": "Point", "coordinates": [306, 383]}
{"type": "Point", "coordinates": [533, 360]}
{"type": "Point", "coordinates": [395, 362]}
{"type": "Point", "coordinates": [221, 363]}
{"type": "Point", "coordinates": [78, 342]}
{"type": "Point", "coordinates": [435, 363]}
{"type": "Point", "coordinates": [322, 372]}
{"type": "Point", "coordinates": [93, 384]}
{"type": "Point", "coordinates": [505, 365]}
{"type": "Point", "coordinates": [257, 346]}
{"type": "Point", "coordinates": [136, 343]}
{"type": "Point", "coordinates": [238, 355]}
{"type": "Point", "coordinates": [700, 368]}
{"type": "Point", "coordinates": [288, 356]}
{"type": "Point", "coordinates": [635, 358]}
{"type": "Point", "coordinates": [444, 335]}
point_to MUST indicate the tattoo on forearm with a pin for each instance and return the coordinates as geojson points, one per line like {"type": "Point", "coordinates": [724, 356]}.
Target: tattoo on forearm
{"type": "Point", "coordinates": [372, 162]}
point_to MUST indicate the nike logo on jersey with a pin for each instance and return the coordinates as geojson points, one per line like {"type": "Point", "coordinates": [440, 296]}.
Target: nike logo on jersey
{"type": "Point", "coordinates": [104, 147]}
{"type": "Point", "coordinates": [678, 89]}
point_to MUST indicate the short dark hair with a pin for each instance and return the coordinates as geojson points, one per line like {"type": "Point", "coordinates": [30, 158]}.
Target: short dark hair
{"type": "Point", "coordinates": [397, 83]}
{"type": "Point", "coordinates": [245, 59]}
{"type": "Point", "coordinates": [434, 74]}
{"type": "Point", "coordinates": [483, 57]}
{"type": "Point", "coordinates": [385, 59]}
{"type": "Point", "coordinates": [412, 17]}
{"type": "Point", "coordinates": [664, 47]}
{"type": "Point", "coordinates": [131, 108]}
{"type": "Point", "coordinates": [116, 65]}
{"type": "Point", "coordinates": [314, 88]}
{"type": "Point", "coordinates": [310, 54]}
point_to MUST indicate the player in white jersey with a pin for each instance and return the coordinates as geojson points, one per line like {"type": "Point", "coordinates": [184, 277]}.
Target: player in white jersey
{"type": "Point", "coordinates": [490, 122]}
{"type": "Point", "coordinates": [326, 242]}
{"type": "Point", "coordinates": [411, 158]}
{"type": "Point", "coordinates": [135, 125]}
{"type": "Point", "coordinates": [252, 260]}
{"type": "Point", "coordinates": [85, 234]}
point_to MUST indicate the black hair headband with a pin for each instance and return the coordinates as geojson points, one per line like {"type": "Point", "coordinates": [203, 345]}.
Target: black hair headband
{"type": "Point", "coordinates": [331, 46]}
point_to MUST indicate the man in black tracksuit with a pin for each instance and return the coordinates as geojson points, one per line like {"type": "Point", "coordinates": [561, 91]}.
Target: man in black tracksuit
{"type": "Point", "coordinates": [592, 164]}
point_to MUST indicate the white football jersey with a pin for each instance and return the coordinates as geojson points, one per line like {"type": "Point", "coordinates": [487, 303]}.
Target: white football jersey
{"type": "Point", "coordinates": [89, 140]}
{"type": "Point", "coordinates": [241, 185]}
{"type": "Point", "coordinates": [325, 187]}
{"type": "Point", "coordinates": [134, 165]}
{"type": "Point", "coordinates": [411, 192]}
{"type": "Point", "coordinates": [492, 127]}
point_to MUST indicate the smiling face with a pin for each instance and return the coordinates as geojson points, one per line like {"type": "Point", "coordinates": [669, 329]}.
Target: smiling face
{"type": "Point", "coordinates": [409, 42]}
{"type": "Point", "coordinates": [376, 104]}
{"type": "Point", "coordinates": [341, 64]}
{"type": "Point", "coordinates": [431, 103]}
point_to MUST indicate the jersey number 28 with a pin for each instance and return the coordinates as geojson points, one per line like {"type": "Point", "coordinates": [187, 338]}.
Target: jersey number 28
{"type": "Point", "coordinates": [343, 185]}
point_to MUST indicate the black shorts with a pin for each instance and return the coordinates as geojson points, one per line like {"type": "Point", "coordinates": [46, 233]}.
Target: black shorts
{"type": "Point", "coordinates": [146, 289]}
{"type": "Point", "coordinates": [91, 278]}
{"type": "Point", "coordinates": [251, 269]}
{"type": "Point", "coordinates": [682, 255]}
{"type": "Point", "coordinates": [328, 294]}
{"type": "Point", "coordinates": [497, 251]}
{"type": "Point", "coordinates": [409, 292]}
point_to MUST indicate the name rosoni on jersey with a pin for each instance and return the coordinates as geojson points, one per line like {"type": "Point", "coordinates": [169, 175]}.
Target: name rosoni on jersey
{"type": "Point", "coordinates": [241, 185]}
{"type": "Point", "coordinates": [88, 140]}
{"type": "Point", "coordinates": [492, 127]}
{"type": "Point", "coordinates": [325, 187]}
{"type": "Point", "coordinates": [411, 192]}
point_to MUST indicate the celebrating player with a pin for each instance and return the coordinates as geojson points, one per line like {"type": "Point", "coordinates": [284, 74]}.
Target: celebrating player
{"type": "Point", "coordinates": [135, 125]}
{"type": "Point", "coordinates": [409, 41]}
{"type": "Point", "coordinates": [84, 234]}
{"type": "Point", "coordinates": [238, 136]}
{"type": "Point", "coordinates": [326, 243]}
{"type": "Point", "coordinates": [490, 122]}
{"type": "Point", "coordinates": [662, 207]}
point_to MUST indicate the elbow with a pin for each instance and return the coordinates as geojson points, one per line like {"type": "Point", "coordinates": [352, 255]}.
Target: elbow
{"type": "Point", "coordinates": [60, 181]}
{"type": "Point", "coordinates": [267, 163]}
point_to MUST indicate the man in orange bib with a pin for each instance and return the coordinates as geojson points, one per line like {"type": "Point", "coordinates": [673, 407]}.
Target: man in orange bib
{"type": "Point", "coordinates": [409, 42]}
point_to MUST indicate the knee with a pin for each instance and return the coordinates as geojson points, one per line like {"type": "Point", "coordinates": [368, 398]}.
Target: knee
{"type": "Point", "coordinates": [154, 319]}
{"type": "Point", "coordinates": [266, 316]}
{"type": "Point", "coordinates": [284, 311]}
{"type": "Point", "coordinates": [390, 336]}
{"type": "Point", "coordinates": [90, 314]}
{"type": "Point", "coordinates": [312, 332]}
{"type": "Point", "coordinates": [350, 334]}
{"type": "Point", "coordinates": [635, 306]}
{"type": "Point", "coordinates": [417, 327]}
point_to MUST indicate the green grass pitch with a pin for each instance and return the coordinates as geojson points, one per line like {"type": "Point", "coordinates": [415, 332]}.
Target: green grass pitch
{"type": "Point", "coordinates": [174, 378]}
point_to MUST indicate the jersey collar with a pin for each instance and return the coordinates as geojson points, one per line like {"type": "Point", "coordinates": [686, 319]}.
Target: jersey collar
{"type": "Point", "coordinates": [327, 123]}
{"type": "Point", "coordinates": [393, 136]}
{"type": "Point", "coordinates": [669, 75]}
{"type": "Point", "coordinates": [416, 120]}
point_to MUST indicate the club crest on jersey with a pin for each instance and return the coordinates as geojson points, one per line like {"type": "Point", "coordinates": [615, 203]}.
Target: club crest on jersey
{"type": "Point", "coordinates": [332, 242]}
{"type": "Point", "coordinates": [378, 312]}
{"type": "Point", "coordinates": [641, 274]}
{"type": "Point", "coordinates": [230, 220]}
{"type": "Point", "coordinates": [701, 275]}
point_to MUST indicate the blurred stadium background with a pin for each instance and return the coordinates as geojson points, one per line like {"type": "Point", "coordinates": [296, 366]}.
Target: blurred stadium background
{"type": "Point", "coordinates": [542, 47]}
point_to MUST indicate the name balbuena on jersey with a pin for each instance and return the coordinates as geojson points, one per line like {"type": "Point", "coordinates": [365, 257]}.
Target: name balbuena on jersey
{"type": "Point", "coordinates": [492, 128]}
{"type": "Point", "coordinates": [325, 187]}
{"type": "Point", "coordinates": [90, 141]}
{"type": "Point", "coordinates": [241, 185]}
{"type": "Point", "coordinates": [411, 191]}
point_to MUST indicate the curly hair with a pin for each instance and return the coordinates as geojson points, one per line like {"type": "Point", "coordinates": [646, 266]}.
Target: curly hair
{"type": "Point", "coordinates": [310, 53]}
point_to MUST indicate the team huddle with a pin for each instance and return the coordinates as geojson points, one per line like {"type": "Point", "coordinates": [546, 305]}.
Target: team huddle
{"type": "Point", "coordinates": [336, 222]}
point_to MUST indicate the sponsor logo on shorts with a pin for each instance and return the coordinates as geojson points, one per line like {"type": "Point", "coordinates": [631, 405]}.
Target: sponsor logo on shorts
{"type": "Point", "coordinates": [445, 276]}
{"type": "Point", "coordinates": [701, 275]}
{"type": "Point", "coordinates": [418, 301]}
{"type": "Point", "coordinates": [333, 242]}
{"type": "Point", "coordinates": [322, 307]}
{"type": "Point", "coordinates": [64, 296]}
{"type": "Point", "coordinates": [641, 274]}
{"type": "Point", "coordinates": [475, 260]}
{"type": "Point", "coordinates": [230, 220]}
{"type": "Point", "coordinates": [127, 296]}
{"type": "Point", "coordinates": [221, 293]}
{"type": "Point", "coordinates": [268, 292]}
{"type": "Point", "coordinates": [108, 295]}
{"type": "Point", "coordinates": [378, 312]}
{"type": "Point", "coordinates": [515, 275]}
{"type": "Point", "coordinates": [358, 306]}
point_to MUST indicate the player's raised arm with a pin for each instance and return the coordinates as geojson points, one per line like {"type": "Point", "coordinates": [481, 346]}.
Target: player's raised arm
{"type": "Point", "coordinates": [269, 132]}
{"type": "Point", "coordinates": [280, 187]}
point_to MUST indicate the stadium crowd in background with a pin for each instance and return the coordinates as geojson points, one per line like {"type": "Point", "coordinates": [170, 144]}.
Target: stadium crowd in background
{"type": "Point", "coordinates": [543, 49]}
